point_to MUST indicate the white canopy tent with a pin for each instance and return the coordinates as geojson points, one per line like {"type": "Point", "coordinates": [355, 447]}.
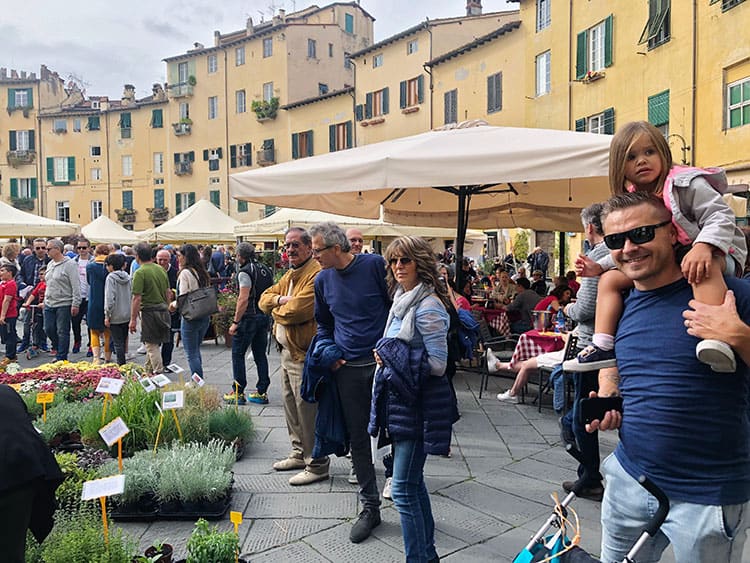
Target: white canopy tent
{"type": "Point", "coordinates": [201, 222]}
{"type": "Point", "coordinates": [16, 223]}
{"type": "Point", "coordinates": [105, 230]}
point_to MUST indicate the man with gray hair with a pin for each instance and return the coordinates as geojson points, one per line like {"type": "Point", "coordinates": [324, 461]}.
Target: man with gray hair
{"type": "Point", "coordinates": [250, 330]}
{"type": "Point", "coordinates": [62, 298]}
{"type": "Point", "coordinates": [351, 307]}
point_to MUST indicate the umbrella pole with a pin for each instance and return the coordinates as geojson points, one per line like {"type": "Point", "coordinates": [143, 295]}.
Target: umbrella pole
{"type": "Point", "coordinates": [464, 200]}
{"type": "Point", "coordinates": [563, 258]}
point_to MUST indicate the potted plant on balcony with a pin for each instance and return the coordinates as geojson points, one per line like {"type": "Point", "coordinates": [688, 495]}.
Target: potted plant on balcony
{"type": "Point", "coordinates": [265, 110]}
{"type": "Point", "coordinates": [158, 214]}
{"type": "Point", "coordinates": [23, 203]}
{"type": "Point", "coordinates": [126, 215]}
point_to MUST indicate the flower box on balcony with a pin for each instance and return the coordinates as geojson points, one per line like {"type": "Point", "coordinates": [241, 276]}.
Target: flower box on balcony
{"type": "Point", "coordinates": [181, 129]}
{"type": "Point", "coordinates": [592, 76]}
{"type": "Point", "coordinates": [126, 215]}
{"type": "Point", "coordinates": [18, 158]}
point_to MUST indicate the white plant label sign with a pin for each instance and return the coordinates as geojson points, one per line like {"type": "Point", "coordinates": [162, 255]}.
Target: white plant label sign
{"type": "Point", "coordinates": [171, 400]}
{"type": "Point", "coordinates": [174, 368]}
{"type": "Point", "coordinates": [110, 385]}
{"type": "Point", "coordinates": [199, 381]}
{"type": "Point", "coordinates": [147, 384]}
{"type": "Point", "coordinates": [161, 380]}
{"type": "Point", "coordinates": [158, 406]}
{"type": "Point", "coordinates": [106, 487]}
{"type": "Point", "coordinates": [113, 431]}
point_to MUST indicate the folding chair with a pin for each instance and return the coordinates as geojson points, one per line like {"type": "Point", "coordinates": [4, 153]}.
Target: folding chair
{"type": "Point", "coordinates": [502, 346]}
{"type": "Point", "coordinates": [544, 385]}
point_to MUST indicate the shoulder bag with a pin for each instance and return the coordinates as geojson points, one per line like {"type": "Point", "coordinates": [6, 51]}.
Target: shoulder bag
{"type": "Point", "coordinates": [199, 303]}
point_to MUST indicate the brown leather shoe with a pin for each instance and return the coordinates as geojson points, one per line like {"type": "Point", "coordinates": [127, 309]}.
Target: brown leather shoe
{"type": "Point", "coordinates": [591, 492]}
{"type": "Point", "coordinates": [306, 478]}
{"type": "Point", "coordinates": [289, 464]}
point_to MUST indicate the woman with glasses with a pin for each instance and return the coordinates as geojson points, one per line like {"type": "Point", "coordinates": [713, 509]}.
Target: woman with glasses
{"type": "Point", "coordinates": [193, 275]}
{"type": "Point", "coordinates": [412, 399]}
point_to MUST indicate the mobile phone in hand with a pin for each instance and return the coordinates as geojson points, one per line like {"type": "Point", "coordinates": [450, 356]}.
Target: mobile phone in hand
{"type": "Point", "coordinates": [594, 408]}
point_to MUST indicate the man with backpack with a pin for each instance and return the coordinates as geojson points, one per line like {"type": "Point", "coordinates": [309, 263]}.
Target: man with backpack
{"type": "Point", "coordinates": [249, 327]}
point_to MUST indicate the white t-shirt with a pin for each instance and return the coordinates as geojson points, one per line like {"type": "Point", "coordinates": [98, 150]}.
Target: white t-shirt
{"type": "Point", "coordinates": [82, 263]}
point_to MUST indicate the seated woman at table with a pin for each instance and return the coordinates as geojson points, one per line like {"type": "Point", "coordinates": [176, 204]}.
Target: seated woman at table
{"type": "Point", "coordinates": [504, 290]}
{"type": "Point", "coordinates": [558, 297]}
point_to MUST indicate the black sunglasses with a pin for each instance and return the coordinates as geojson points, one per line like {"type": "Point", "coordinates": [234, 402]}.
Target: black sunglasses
{"type": "Point", "coordinates": [639, 235]}
{"type": "Point", "coordinates": [293, 244]}
{"type": "Point", "coordinates": [404, 261]}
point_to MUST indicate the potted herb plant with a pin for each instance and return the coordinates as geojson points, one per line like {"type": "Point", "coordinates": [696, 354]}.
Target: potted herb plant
{"type": "Point", "coordinates": [233, 426]}
{"type": "Point", "coordinates": [208, 544]}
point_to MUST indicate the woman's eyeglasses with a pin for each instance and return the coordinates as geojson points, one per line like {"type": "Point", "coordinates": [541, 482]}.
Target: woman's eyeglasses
{"type": "Point", "coordinates": [639, 235]}
{"type": "Point", "coordinates": [404, 260]}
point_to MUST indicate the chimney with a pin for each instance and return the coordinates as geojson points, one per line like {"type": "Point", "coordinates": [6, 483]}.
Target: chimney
{"type": "Point", "coordinates": [217, 38]}
{"type": "Point", "coordinates": [473, 7]}
{"type": "Point", "coordinates": [3, 73]}
{"type": "Point", "coordinates": [128, 95]}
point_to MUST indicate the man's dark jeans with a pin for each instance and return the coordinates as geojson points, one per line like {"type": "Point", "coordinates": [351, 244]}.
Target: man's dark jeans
{"type": "Point", "coordinates": [76, 322]}
{"type": "Point", "coordinates": [588, 443]}
{"type": "Point", "coordinates": [252, 332]}
{"type": "Point", "coordinates": [57, 327]}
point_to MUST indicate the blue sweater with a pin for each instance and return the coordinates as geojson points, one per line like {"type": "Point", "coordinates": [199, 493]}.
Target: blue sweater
{"type": "Point", "coordinates": [351, 305]}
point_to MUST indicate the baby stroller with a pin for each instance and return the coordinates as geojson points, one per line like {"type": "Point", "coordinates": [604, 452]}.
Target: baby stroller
{"type": "Point", "coordinates": [557, 548]}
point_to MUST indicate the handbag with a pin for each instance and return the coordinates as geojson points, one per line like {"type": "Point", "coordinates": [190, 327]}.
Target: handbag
{"type": "Point", "coordinates": [199, 303]}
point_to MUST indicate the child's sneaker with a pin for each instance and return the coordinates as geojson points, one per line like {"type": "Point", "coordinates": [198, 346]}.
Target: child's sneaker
{"type": "Point", "coordinates": [259, 398]}
{"type": "Point", "coordinates": [32, 353]}
{"type": "Point", "coordinates": [234, 397]}
{"type": "Point", "coordinates": [591, 358]}
{"type": "Point", "coordinates": [717, 354]}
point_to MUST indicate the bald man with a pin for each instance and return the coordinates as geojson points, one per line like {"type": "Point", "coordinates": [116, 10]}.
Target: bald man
{"type": "Point", "coordinates": [164, 259]}
{"type": "Point", "coordinates": [355, 240]}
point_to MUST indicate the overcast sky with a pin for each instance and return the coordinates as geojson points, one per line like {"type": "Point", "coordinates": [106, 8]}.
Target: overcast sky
{"type": "Point", "coordinates": [104, 45]}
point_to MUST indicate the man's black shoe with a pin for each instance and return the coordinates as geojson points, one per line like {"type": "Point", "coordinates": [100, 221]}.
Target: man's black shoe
{"type": "Point", "coordinates": [566, 433]}
{"type": "Point", "coordinates": [591, 492]}
{"type": "Point", "coordinates": [368, 520]}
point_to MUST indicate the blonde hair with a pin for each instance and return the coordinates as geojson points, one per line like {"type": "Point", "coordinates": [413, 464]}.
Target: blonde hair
{"type": "Point", "coordinates": [11, 251]}
{"type": "Point", "coordinates": [623, 142]}
{"type": "Point", "coordinates": [421, 252]}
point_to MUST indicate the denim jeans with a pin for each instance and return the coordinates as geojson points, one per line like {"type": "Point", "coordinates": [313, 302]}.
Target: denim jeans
{"type": "Point", "coordinates": [119, 334]}
{"type": "Point", "coordinates": [412, 500]}
{"type": "Point", "coordinates": [8, 331]}
{"type": "Point", "coordinates": [252, 333]}
{"type": "Point", "coordinates": [57, 327]}
{"type": "Point", "coordinates": [697, 532]}
{"type": "Point", "coordinates": [192, 335]}
{"type": "Point", "coordinates": [588, 443]}
{"type": "Point", "coordinates": [76, 321]}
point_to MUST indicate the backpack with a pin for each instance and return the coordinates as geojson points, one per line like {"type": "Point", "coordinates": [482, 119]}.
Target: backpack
{"type": "Point", "coordinates": [262, 277]}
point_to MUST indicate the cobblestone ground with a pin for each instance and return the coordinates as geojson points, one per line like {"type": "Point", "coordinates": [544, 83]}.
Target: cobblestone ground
{"type": "Point", "coordinates": [488, 498]}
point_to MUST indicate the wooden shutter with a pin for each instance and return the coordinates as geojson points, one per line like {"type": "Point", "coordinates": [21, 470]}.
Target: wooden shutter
{"type": "Point", "coordinates": [608, 29]}
{"type": "Point", "coordinates": [12, 141]}
{"type": "Point", "coordinates": [295, 145]}
{"type": "Point", "coordinates": [331, 138]}
{"type": "Point", "coordinates": [191, 156]}
{"type": "Point", "coordinates": [581, 50]}
{"type": "Point", "coordinates": [191, 198]}
{"type": "Point", "coordinates": [215, 197]}
{"type": "Point", "coordinates": [157, 118]}
{"type": "Point", "coordinates": [51, 170]}
{"type": "Point", "coordinates": [205, 154]}
{"type": "Point", "coordinates": [581, 124]}
{"type": "Point", "coordinates": [158, 198]}
{"type": "Point", "coordinates": [490, 93]}
{"type": "Point", "coordinates": [220, 152]}
{"type": "Point", "coordinates": [176, 158]}
{"type": "Point", "coordinates": [241, 206]}
{"type": "Point", "coordinates": [385, 100]}
{"type": "Point", "coordinates": [33, 188]}
{"type": "Point", "coordinates": [349, 128]}
{"type": "Point", "coordinates": [609, 121]}
{"type": "Point", "coordinates": [232, 156]}
{"type": "Point", "coordinates": [31, 140]}
{"type": "Point", "coordinates": [658, 108]}
{"type": "Point", "coordinates": [359, 113]}
{"type": "Point", "coordinates": [402, 94]}
{"type": "Point", "coordinates": [368, 105]}
{"type": "Point", "coordinates": [309, 143]}
{"type": "Point", "coordinates": [13, 187]}
{"type": "Point", "coordinates": [177, 203]}
{"type": "Point", "coordinates": [420, 88]}
{"type": "Point", "coordinates": [71, 169]}
{"type": "Point", "coordinates": [249, 154]}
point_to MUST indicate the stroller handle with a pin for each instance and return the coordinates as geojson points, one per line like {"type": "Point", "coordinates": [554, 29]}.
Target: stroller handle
{"type": "Point", "coordinates": [661, 512]}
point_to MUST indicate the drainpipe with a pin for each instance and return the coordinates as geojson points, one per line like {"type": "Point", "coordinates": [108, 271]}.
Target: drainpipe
{"type": "Point", "coordinates": [109, 177]}
{"type": "Point", "coordinates": [570, 65]}
{"type": "Point", "coordinates": [693, 85]}
{"type": "Point", "coordinates": [432, 84]}
{"type": "Point", "coordinates": [226, 130]}
{"type": "Point", "coordinates": [353, 94]}
{"type": "Point", "coordinates": [40, 152]}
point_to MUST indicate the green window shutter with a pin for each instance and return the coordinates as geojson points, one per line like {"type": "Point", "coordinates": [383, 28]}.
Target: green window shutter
{"type": "Point", "coordinates": [125, 122]}
{"type": "Point", "coordinates": [609, 121]}
{"type": "Point", "coordinates": [157, 119]}
{"type": "Point", "coordinates": [93, 124]}
{"type": "Point", "coordinates": [191, 156]}
{"type": "Point", "coordinates": [220, 152]}
{"type": "Point", "coordinates": [581, 124]}
{"type": "Point", "coordinates": [309, 143]}
{"type": "Point", "coordinates": [191, 198]}
{"type": "Point", "coordinates": [176, 158]}
{"type": "Point", "coordinates": [359, 112]}
{"type": "Point", "coordinates": [30, 97]}
{"type": "Point", "coordinates": [33, 188]}
{"type": "Point", "coordinates": [215, 197]}
{"type": "Point", "coordinates": [12, 141]}
{"type": "Point", "coordinates": [658, 108]}
{"type": "Point", "coordinates": [159, 198]}
{"type": "Point", "coordinates": [248, 152]}
{"type": "Point", "coordinates": [127, 199]}
{"type": "Point", "coordinates": [368, 105]}
{"type": "Point", "coordinates": [385, 101]}
{"type": "Point", "coordinates": [420, 88]}
{"type": "Point", "coordinates": [242, 206]}
{"type": "Point", "coordinates": [608, 29]}
{"type": "Point", "coordinates": [581, 50]}
{"type": "Point", "coordinates": [490, 94]}
{"type": "Point", "coordinates": [232, 156]}
{"type": "Point", "coordinates": [331, 138]}
{"type": "Point", "coordinates": [295, 145]}
{"type": "Point", "coordinates": [349, 127]}
{"type": "Point", "coordinates": [13, 187]}
{"type": "Point", "coordinates": [177, 203]}
{"type": "Point", "coordinates": [71, 169]}
{"type": "Point", "coordinates": [11, 98]}
{"type": "Point", "coordinates": [205, 154]}
{"type": "Point", "coordinates": [402, 94]}
{"type": "Point", "coordinates": [51, 170]}
{"type": "Point", "coordinates": [31, 140]}
{"type": "Point", "coordinates": [349, 23]}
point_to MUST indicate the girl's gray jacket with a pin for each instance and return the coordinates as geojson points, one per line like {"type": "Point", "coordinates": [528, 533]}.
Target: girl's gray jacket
{"type": "Point", "coordinates": [117, 297]}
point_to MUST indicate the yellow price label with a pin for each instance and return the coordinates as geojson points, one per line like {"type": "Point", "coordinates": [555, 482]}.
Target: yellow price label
{"type": "Point", "coordinates": [235, 517]}
{"type": "Point", "coordinates": [16, 386]}
{"type": "Point", "coordinates": [44, 398]}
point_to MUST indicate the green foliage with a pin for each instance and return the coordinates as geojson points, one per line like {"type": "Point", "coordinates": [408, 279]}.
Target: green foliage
{"type": "Point", "coordinates": [65, 417]}
{"type": "Point", "coordinates": [230, 424]}
{"type": "Point", "coordinates": [265, 109]}
{"type": "Point", "coordinates": [69, 492]}
{"type": "Point", "coordinates": [208, 545]}
{"type": "Point", "coordinates": [33, 550]}
{"type": "Point", "coordinates": [35, 409]}
{"type": "Point", "coordinates": [521, 246]}
{"type": "Point", "coordinates": [141, 476]}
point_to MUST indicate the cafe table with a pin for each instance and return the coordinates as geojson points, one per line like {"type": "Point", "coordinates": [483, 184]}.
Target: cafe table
{"type": "Point", "coordinates": [496, 318]}
{"type": "Point", "coordinates": [532, 343]}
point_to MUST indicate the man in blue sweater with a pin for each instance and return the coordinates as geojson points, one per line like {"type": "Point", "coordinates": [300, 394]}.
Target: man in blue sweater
{"type": "Point", "coordinates": [683, 425]}
{"type": "Point", "coordinates": [351, 307]}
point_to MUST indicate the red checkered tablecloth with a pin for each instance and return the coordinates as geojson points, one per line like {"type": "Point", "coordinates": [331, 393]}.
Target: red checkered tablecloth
{"type": "Point", "coordinates": [497, 319]}
{"type": "Point", "coordinates": [532, 343]}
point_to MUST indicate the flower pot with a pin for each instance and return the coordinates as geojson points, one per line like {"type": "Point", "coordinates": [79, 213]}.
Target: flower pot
{"type": "Point", "coordinates": [166, 553]}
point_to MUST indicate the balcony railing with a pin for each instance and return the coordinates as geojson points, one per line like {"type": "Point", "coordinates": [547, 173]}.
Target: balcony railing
{"type": "Point", "coordinates": [183, 168]}
{"type": "Point", "coordinates": [180, 90]}
{"type": "Point", "coordinates": [20, 157]}
{"type": "Point", "coordinates": [265, 157]}
{"type": "Point", "coordinates": [181, 129]}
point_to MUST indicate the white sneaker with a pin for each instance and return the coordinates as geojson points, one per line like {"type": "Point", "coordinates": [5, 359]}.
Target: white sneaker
{"type": "Point", "coordinates": [717, 354]}
{"type": "Point", "coordinates": [492, 361]}
{"type": "Point", "coordinates": [141, 349]}
{"type": "Point", "coordinates": [507, 396]}
{"type": "Point", "coordinates": [387, 488]}
{"type": "Point", "coordinates": [352, 478]}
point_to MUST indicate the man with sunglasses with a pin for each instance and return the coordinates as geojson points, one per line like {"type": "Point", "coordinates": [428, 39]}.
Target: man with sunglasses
{"type": "Point", "coordinates": [351, 308]}
{"type": "Point", "coordinates": [30, 277]}
{"type": "Point", "coordinates": [291, 303]}
{"type": "Point", "coordinates": [83, 247]}
{"type": "Point", "coordinates": [683, 425]}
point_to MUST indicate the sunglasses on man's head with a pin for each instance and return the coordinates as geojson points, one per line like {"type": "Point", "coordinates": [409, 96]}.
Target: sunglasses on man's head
{"type": "Point", "coordinates": [404, 261]}
{"type": "Point", "coordinates": [639, 235]}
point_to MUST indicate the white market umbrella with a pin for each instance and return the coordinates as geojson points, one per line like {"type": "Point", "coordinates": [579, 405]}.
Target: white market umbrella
{"type": "Point", "coordinates": [105, 230]}
{"type": "Point", "coordinates": [14, 222]}
{"type": "Point", "coordinates": [201, 222]}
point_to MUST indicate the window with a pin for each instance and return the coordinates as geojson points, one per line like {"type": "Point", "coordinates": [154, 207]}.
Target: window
{"type": "Point", "coordinates": [377, 60]}
{"type": "Point", "coordinates": [412, 46]}
{"type": "Point", "coordinates": [729, 4]}
{"type": "Point", "coordinates": [22, 140]}
{"type": "Point", "coordinates": [267, 47]}
{"type": "Point", "coordinates": [97, 208]}
{"type": "Point", "coordinates": [376, 103]}
{"type": "Point", "coordinates": [157, 118]}
{"type": "Point", "coordinates": [330, 50]}
{"type": "Point", "coordinates": [738, 103]}
{"type": "Point", "coordinates": [267, 91]}
{"type": "Point", "coordinates": [239, 56]}
{"type": "Point", "coordinates": [214, 180]}
{"type": "Point", "coordinates": [95, 151]}
{"type": "Point", "coordinates": [411, 92]}
{"type": "Point", "coordinates": [95, 104]}
{"type": "Point", "coordinates": [214, 197]}
{"type": "Point", "coordinates": [182, 73]}
{"type": "Point", "coordinates": [158, 163]}
{"type": "Point", "coordinates": [127, 165]}
{"type": "Point", "coordinates": [96, 174]}
{"type": "Point", "coordinates": [241, 206]}
{"type": "Point", "coordinates": [543, 73]}
{"type": "Point", "coordinates": [594, 48]}
{"type": "Point", "coordinates": [158, 181]}
{"type": "Point", "coordinates": [19, 98]}
{"type": "Point", "coordinates": [603, 122]}
{"type": "Point", "coordinates": [347, 61]}
{"type": "Point", "coordinates": [657, 30]}
{"type": "Point", "coordinates": [23, 188]}
{"type": "Point", "coordinates": [212, 63]}
{"type": "Point", "coordinates": [240, 101]}
{"type": "Point", "coordinates": [495, 92]}
{"type": "Point", "coordinates": [159, 198]}
{"type": "Point", "coordinates": [543, 16]}
{"type": "Point", "coordinates": [302, 144]}
{"type": "Point", "coordinates": [239, 155]}
{"type": "Point", "coordinates": [213, 107]}
{"type": "Point", "coordinates": [76, 126]}
{"type": "Point", "coordinates": [127, 199]}
{"type": "Point", "coordinates": [311, 48]}
{"type": "Point", "coordinates": [183, 201]}
{"type": "Point", "coordinates": [62, 209]}
{"type": "Point", "coordinates": [184, 110]}
{"type": "Point", "coordinates": [61, 170]}
{"type": "Point", "coordinates": [183, 162]}
{"type": "Point", "coordinates": [60, 126]}
{"type": "Point", "coordinates": [212, 156]}
{"type": "Point", "coordinates": [349, 23]}
{"type": "Point", "coordinates": [658, 111]}
{"type": "Point", "coordinates": [340, 136]}
{"type": "Point", "coordinates": [125, 124]}
{"type": "Point", "coordinates": [322, 88]}
{"type": "Point", "coordinates": [450, 100]}
{"type": "Point", "coordinates": [93, 123]}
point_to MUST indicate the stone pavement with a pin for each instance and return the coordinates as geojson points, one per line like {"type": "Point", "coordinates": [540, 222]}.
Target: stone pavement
{"type": "Point", "coordinates": [488, 498]}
